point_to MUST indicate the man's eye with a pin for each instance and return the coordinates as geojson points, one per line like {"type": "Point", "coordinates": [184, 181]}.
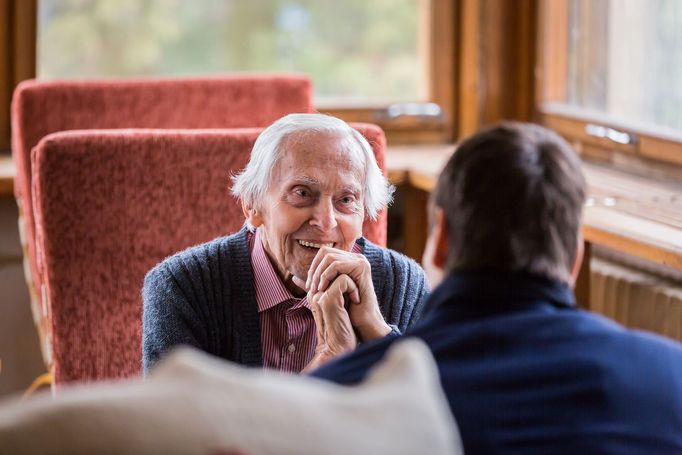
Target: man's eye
{"type": "Point", "coordinates": [347, 200]}
{"type": "Point", "coordinates": [302, 192]}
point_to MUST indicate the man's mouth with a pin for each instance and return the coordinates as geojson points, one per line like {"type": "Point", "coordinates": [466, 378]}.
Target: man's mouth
{"type": "Point", "coordinates": [314, 245]}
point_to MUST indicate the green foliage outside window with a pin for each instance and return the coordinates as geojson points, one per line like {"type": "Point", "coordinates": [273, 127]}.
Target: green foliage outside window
{"type": "Point", "coordinates": [356, 51]}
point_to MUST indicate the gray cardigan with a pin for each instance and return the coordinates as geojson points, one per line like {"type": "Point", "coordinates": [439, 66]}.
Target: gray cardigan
{"type": "Point", "coordinates": [205, 297]}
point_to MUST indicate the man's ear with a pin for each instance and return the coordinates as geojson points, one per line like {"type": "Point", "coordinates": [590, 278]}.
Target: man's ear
{"type": "Point", "coordinates": [440, 238]}
{"type": "Point", "coordinates": [578, 262]}
{"type": "Point", "coordinates": [252, 215]}
{"type": "Point", "coordinates": [436, 249]}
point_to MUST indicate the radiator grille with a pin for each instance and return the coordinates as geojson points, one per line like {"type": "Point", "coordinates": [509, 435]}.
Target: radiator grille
{"type": "Point", "coordinates": [636, 299]}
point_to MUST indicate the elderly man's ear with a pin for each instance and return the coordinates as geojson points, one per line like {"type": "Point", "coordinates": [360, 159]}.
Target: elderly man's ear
{"type": "Point", "coordinates": [436, 251]}
{"type": "Point", "coordinates": [252, 215]}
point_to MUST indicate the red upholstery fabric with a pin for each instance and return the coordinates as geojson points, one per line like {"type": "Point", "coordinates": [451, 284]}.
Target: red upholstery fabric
{"type": "Point", "coordinates": [375, 230]}
{"type": "Point", "coordinates": [109, 206]}
{"type": "Point", "coordinates": [43, 107]}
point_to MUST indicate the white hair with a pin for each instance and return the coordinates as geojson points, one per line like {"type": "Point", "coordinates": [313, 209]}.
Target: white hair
{"type": "Point", "coordinates": [251, 184]}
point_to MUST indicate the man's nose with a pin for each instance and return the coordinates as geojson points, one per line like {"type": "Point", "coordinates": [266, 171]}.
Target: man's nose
{"type": "Point", "coordinates": [324, 216]}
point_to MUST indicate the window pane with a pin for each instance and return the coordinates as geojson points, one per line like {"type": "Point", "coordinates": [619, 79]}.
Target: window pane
{"type": "Point", "coordinates": [625, 60]}
{"type": "Point", "coordinates": [364, 52]}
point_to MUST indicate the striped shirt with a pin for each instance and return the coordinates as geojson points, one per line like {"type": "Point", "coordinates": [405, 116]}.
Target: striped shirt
{"type": "Point", "coordinates": [287, 325]}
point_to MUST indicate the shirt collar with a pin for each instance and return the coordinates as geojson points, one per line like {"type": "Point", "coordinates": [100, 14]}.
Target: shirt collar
{"type": "Point", "coordinates": [270, 290]}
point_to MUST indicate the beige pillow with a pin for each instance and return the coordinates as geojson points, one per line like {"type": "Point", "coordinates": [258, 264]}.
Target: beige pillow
{"type": "Point", "coordinates": [197, 404]}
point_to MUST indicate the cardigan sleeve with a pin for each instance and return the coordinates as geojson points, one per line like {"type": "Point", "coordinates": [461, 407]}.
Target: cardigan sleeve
{"type": "Point", "coordinates": [410, 291]}
{"type": "Point", "coordinates": [168, 318]}
{"type": "Point", "coordinates": [400, 284]}
{"type": "Point", "coordinates": [184, 303]}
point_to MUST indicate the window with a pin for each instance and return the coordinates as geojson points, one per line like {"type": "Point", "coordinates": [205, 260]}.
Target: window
{"type": "Point", "coordinates": [363, 56]}
{"type": "Point", "coordinates": [612, 76]}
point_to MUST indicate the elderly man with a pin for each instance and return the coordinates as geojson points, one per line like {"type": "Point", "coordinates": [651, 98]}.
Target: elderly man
{"type": "Point", "coordinates": [524, 370]}
{"type": "Point", "coordinates": [310, 183]}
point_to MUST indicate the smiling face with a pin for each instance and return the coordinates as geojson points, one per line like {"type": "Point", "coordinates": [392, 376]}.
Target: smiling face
{"type": "Point", "coordinates": [315, 199]}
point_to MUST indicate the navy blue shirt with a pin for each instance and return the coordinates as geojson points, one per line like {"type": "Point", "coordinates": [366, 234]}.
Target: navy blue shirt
{"type": "Point", "coordinates": [525, 371]}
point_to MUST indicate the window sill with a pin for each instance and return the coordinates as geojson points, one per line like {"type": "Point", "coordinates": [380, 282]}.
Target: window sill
{"type": "Point", "coordinates": [635, 215]}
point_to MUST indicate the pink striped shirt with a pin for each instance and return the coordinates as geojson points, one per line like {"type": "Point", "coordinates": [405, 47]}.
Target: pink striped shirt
{"type": "Point", "coordinates": [287, 326]}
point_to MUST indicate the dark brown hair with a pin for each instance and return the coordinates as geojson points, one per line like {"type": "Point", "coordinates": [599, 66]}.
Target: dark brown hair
{"type": "Point", "coordinates": [512, 195]}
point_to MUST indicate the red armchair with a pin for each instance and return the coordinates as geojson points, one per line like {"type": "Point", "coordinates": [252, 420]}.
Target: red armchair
{"type": "Point", "coordinates": [110, 205]}
{"type": "Point", "coordinates": [43, 107]}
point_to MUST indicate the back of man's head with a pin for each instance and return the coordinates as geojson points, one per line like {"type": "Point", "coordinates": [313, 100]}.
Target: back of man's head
{"type": "Point", "coordinates": [512, 198]}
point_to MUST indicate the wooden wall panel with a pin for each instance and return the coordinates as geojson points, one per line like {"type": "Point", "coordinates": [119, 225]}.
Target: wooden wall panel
{"type": "Point", "coordinates": [18, 19]}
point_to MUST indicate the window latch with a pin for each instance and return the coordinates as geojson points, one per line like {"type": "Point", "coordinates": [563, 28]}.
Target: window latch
{"type": "Point", "coordinates": [604, 132]}
{"type": "Point", "coordinates": [425, 111]}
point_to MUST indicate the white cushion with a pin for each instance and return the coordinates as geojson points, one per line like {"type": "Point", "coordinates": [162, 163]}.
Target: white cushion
{"type": "Point", "coordinates": [197, 404]}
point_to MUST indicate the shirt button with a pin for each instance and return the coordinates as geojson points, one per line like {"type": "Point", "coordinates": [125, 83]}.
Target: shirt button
{"type": "Point", "coordinates": [291, 347]}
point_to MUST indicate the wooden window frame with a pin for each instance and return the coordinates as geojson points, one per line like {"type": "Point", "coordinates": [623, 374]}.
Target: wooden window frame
{"type": "Point", "coordinates": [17, 55]}
{"type": "Point", "coordinates": [495, 77]}
{"type": "Point", "coordinates": [437, 40]}
{"type": "Point", "coordinates": [651, 151]}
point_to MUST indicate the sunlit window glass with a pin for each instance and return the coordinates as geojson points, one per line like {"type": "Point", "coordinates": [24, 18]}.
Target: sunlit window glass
{"type": "Point", "coordinates": [357, 52]}
{"type": "Point", "coordinates": [625, 61]}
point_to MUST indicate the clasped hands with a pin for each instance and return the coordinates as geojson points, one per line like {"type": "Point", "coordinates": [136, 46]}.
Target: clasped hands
{"type": "Point", "coordinates": [341, 295]}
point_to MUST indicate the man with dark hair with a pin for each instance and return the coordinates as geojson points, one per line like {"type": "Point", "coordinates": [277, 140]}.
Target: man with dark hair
{"type": "Point", "coordinates": [524, 370]}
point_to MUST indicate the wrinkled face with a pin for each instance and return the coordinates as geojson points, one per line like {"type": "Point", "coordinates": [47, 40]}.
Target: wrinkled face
{"type": "Point", "coordinates": [315, 199]}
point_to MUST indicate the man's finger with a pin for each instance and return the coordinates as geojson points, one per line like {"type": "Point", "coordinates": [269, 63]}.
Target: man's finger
{"type": "Point", "coordinates": [300, 283]}
{"type": "Point", "coordinates": [352, 269]}
{"type": "Point", "coordinates": [343, 284]}
{"type": "Point", "coordinates": [321, 253]}
{"type": "Point", "coordinates": [339, 334]}
{"type": "Point", "coordinates": [322, 260]}
{"type": "Point", "coordinates": [319, 319]}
